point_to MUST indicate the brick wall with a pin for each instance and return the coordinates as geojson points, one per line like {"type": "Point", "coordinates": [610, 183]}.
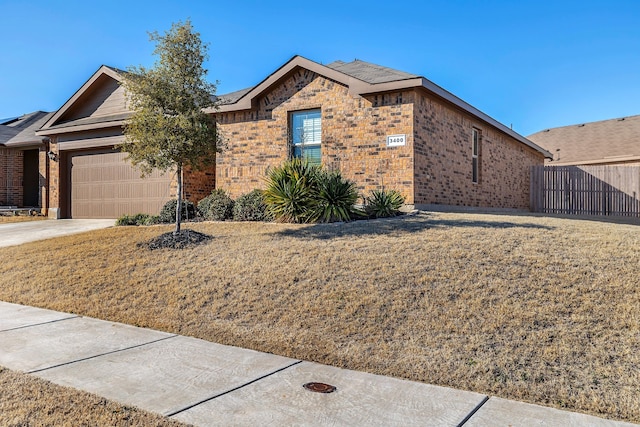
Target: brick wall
{"type": "Point", "coordinates": [11, 177]}
{"type": "Point", "coordinates": [198, 184]}
{"type": "Point", "coordinates": [443, 171]}
{"type": "Point", "coordinates": [354, 131]}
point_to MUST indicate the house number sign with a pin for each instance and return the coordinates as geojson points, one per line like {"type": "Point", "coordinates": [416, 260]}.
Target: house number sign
{"type": "Point", "coordinates": [396, 140]}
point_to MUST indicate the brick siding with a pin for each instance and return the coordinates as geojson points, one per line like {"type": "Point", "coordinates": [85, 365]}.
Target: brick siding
{"type": "Point", "coordinates": [443, 172]}
{"type": "Point", "coordinates": [354, 131]}
{"type": "Point", "coordinates": [198, 184]}
{"type": "Point", "coordinates": [11, 177]}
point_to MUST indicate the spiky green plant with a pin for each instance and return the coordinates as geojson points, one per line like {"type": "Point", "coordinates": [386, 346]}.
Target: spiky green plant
{"type": "Point", "coordinates": [335, 198]}
{"type": "Point", "coordinates": [290, 192]}
{"type": "Point", "coordinates": [384, 203]}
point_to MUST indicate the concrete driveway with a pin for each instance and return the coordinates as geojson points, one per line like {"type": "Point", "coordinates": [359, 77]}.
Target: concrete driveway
{"type": "Point", "coordinates": [22, 232]}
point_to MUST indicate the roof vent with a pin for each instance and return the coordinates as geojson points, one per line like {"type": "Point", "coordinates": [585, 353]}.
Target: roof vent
{"type": "Point", "coordinates": [621, 120]}
{"type": "Point", "coordinates": [546, 130]}
{"type": "Point", "coordinates": [581, 125]}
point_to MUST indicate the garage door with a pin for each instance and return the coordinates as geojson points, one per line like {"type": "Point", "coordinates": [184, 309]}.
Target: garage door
{"type": "Point", "coordinates": [104, 185]}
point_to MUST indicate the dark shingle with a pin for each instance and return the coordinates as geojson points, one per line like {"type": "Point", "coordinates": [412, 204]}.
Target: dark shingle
{"type": "Point", "coordinates": [23, 128]}
{"type": "Point", "coordinates": [230, 98]}
{"type": "Point", "coordinates": [28, 128]}
{"type": "Point", "coordinates": [370, 73]}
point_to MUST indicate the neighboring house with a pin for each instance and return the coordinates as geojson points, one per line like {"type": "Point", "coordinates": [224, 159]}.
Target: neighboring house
{"type": "Point", "coordinates": [381, 127]}
{"type": "Point", "coordinates": [23, 161]}
{"type": "Point", "coordinates": [607, 142]}
{"type": "Point", "coordinates": [88, 177]}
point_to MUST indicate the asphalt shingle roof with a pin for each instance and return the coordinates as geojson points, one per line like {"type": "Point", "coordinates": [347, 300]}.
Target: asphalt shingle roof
{"type": "Point", "coordinates": [23, 129]}
{"type": "Point", "coordinates": [603, 141]}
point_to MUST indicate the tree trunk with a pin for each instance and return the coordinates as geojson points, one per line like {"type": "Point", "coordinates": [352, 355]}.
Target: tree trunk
{"type": "Point", "coordinates": [179, 204]}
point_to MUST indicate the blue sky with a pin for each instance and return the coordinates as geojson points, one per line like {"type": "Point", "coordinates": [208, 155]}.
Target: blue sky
{"type": "Point", "coordinates": [529, 64]}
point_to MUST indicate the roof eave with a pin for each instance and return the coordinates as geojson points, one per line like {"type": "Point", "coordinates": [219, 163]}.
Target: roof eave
{"type": "Point", "coordinates": [448, 96]}
{"type": "Point", "coordinates": [80, 128]}
{"type": "Point", "coordinates": [25, 144]}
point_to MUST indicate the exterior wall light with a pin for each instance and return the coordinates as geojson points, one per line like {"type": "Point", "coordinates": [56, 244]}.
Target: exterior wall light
{"type": "Point", "coordinates": [52, 156]}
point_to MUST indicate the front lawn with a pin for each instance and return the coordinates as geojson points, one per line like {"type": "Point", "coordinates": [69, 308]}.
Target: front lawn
{"type": "Point", "coordinates": [544, 310]}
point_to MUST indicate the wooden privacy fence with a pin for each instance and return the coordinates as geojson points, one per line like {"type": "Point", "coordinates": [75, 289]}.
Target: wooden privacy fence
{"type": "Point", "coordinates": [586, 190]}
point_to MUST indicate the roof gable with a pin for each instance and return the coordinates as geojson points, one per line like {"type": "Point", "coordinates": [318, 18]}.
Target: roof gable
{"type": "Point", "coordinates": [99, 102]}
{"type": "Point", "coordinates": [379, 79]}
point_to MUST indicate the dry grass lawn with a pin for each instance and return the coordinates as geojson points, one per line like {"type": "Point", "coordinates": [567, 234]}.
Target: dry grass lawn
{"type": "Point", "coordinates": [544, 310]}
{"type": "Point", "coordinates": [29, 401]}
{"type": "Point", "coordinates": [5, 219]}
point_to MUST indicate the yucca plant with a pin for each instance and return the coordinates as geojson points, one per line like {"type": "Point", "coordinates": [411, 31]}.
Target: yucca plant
{"type": "Point", "coordinates": [335, 198]}
{"type": "Point", "coordinates": [384, 203]}
{"type": "Point", "coordinates": [290, 191]}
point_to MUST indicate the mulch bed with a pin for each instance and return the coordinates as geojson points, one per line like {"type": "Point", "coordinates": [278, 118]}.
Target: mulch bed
{"type": "Point", "coordinates": [184, 239]}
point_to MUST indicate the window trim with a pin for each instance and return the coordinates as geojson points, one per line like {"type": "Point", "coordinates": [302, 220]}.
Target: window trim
{"type": "Point", "coordinates": [302, 144]}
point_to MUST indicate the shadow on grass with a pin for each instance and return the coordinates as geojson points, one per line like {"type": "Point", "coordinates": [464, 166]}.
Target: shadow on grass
{"type": "Point", "coordinates": [412, 223]}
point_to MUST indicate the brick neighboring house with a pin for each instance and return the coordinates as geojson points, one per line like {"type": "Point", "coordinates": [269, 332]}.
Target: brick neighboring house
{"type": "Point", "coordinates": [605, 142]}
{"type": "Point", "coordinates": [381, 127]}
{"type": "Point", "coordinates": [23, 161]}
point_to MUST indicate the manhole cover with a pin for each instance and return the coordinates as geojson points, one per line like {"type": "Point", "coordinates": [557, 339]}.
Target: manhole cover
{"type": "Point", "coordinates": [319, 387]}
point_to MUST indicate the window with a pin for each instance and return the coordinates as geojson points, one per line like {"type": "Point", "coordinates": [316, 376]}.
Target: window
{"type": "Point", "coordinates": [306, 135]}
{"type": "Point", "coordinates": [475, 156]}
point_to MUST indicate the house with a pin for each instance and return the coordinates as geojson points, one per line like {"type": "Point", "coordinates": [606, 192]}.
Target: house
{"type": "Point", "coordinates": [87, 176]}
{"type": "Point", "coordinates": [381, 127]}
{"type": "Point", "coordinates": [23, 161]}
{"type": "Point", "coordinates": [606, 142]}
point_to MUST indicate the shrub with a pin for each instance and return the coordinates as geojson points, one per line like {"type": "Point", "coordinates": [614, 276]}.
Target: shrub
{"type": "Point", "coordinates": [335, 198]}
{"type": "Point", "coordinates": [250, 207]}
{"type": "Point", "coordinates": [290, 191]}
{"type": "Point", "coordinates": [217, 206]}
{"type": "Point", "coordinates": [383, 203]}
{"type": "Point", "coordinates": [148, 220]}
{"type": "Point", "coordinates": [126, 220]}
{"type": "Point", "coordinates": [138, 219]}
{"type": "Point", "coordinates": [168, 211]}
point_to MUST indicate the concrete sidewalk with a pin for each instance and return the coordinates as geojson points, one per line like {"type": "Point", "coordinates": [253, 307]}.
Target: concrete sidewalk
{"type": "Point", "coordinates": [17, 233]}
{"type": "Point", "coordinates": [208, 384]}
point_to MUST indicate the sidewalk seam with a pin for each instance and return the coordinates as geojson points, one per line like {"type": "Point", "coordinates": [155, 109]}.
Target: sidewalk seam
{"type": "Point", "coordinates": [38, 324]}
{"type": "Point", "coordinates": [186, 408]}
{"type": "Point", "coordinates": [100, 355]}
{"type": "Point", "coordinates": [472, 413]}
